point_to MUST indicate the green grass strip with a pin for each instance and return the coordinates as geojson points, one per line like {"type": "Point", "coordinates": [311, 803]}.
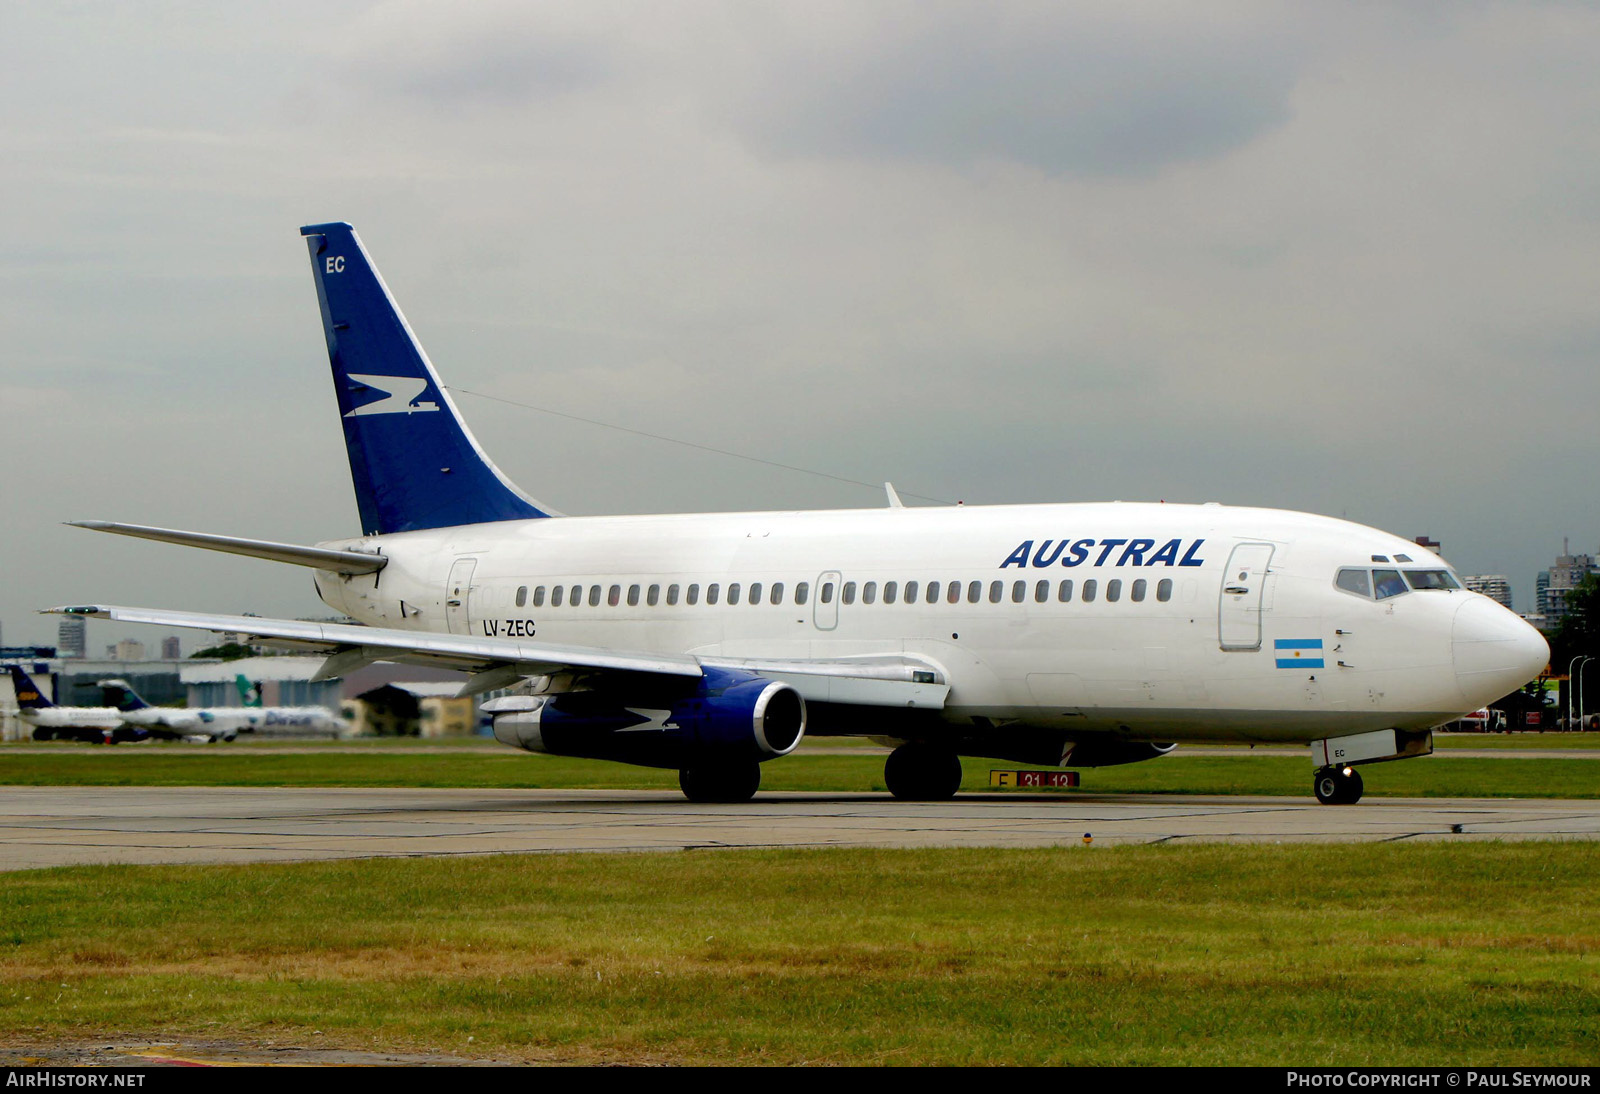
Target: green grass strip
{"type": "Point", "coordinates": [1483, 954]}
{"type": "Point", "coordinates": [499, 768]}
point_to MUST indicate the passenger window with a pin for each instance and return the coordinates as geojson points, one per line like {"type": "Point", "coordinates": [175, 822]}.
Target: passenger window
{"type": "Point", "coordinates": [890, 588]}
{"type": "Point", "coordinates": [1388, 583]}
{"type": "Point", "coordinates": [997, 589]}
{"type": "Point", "coordinates": [1041, 592]}
{"type": "Point", "coordinates": [594, 596]}
{"type": "Point", "coordinates": [827, 592]}
{"type": "Point", "coordinates": [556, 595]}
{"type": "Point", "coordinates": [1064, 591]}
{"type": "Point", "coordinates": [1138, 590]}
{"type": "Point", "coordinates": [869, 593]}
{"type": "Point", "coordinates": [755, 592]}
{"type": "Point", "coordinates": [733, 592]}
{"type": "Point", "coordinates": [953, 592]}
{"type": "Point", "coordinates": [672, 595]}
{"type": "Point", "coordinates": [653, 597]}
{"type": "Point", "coordinates": [801, 591]}
{"type": "Point", "coordinates": [777, 593]}
{"type": "Point", "coordinates": [576, 597]}
{"type": "Point", "coordinates": [1019, 591]}
{"type": "Point", "coordinates": [522, 596]}
{"type": "Point", "coordinates": [848, 594]}
{"type": "Point", "coordinates": [633, 596]}
{"type": "Point", "coordinates": [538, 597]}
{"type": "Point", "coordinates": [1164, 590]}
{"type": "Point", "coordinates": [694, 594]}
{"type": "Point", "coordinates": [615, 596]}
{"type": "Point", "coordinates": [931, 595]}
{"type": "Point", "coordinates": [1114, 589]}
{"type": "Point", "coordinates": [712, 591]}
{"type": "Point", "coordinates": [1089, 588]}
{"type": "Point", "coordinates": [1354, 581]}
{"type": "Point", "coordinates": [911, 592]}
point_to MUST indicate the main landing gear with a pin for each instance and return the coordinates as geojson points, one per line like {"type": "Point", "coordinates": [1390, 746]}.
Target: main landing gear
{"type": "Point", "coordinates": [921, 772]}
{"type": "Point", "coordinates": [725, 781]}
{"type": "Point", "coordinates": [1337, 785]}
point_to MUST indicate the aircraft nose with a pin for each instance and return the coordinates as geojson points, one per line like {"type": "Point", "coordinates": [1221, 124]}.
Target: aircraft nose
{"type": "Point", "coordinates": [1495, 653]}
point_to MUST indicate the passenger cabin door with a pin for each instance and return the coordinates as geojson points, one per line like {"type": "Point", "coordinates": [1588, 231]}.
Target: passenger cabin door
{"type": "Point", "coordinates": [457, 592]}
{"type": "Point", "coordinates": [1239, 610]}
{"type": "Point", "coordinates": [825, 605]}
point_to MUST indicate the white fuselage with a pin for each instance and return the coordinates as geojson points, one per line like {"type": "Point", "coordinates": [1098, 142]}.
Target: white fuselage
{"type": "Point", "coordinates": [229, 721]}
{"type": "Point", "coordinates": [72, 717]}
{"type": "Point", "coordinates": [1205, 623]}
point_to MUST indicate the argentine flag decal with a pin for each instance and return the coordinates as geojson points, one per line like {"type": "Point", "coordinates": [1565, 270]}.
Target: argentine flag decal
{"type": "Point", "coordinates": [1298, 653]}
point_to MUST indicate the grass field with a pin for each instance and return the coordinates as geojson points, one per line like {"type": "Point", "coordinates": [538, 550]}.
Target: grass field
{"type": "Point", "coordinates": [1417, 954]}
{"type": "Point", "coordinates": [494, 766]}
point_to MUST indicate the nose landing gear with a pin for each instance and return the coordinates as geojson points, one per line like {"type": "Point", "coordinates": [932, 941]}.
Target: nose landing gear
{"type": "Point", "coordinates": [1337, 786]}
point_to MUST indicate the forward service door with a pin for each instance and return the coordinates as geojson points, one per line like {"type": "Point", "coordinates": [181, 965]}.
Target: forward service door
{"type": "Point", "coordinates": [1240, 606]}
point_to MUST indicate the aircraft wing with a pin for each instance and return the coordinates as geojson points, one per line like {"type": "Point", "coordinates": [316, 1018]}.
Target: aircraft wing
{"type": "Point", "coordinates": [502, 662]}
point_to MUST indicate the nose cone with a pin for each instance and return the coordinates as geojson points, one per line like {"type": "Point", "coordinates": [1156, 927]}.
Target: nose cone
{"type": "Point", "coordinates": [1495, 653]}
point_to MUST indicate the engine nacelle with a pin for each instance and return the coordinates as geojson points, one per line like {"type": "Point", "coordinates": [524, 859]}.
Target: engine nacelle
{"type": "Point", "coordinates": [734, 715]}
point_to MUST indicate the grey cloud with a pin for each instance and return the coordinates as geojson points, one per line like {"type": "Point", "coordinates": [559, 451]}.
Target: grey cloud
{"type": "Point", "coordinates": [1061, 91]}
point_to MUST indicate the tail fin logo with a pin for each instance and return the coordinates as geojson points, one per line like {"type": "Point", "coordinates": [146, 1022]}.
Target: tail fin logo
{"type": "Point", "coordinates": [400, 395]}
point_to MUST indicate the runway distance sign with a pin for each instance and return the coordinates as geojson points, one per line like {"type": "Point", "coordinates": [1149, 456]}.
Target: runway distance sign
{"type": "Point", "coordinates": [1034, 780]}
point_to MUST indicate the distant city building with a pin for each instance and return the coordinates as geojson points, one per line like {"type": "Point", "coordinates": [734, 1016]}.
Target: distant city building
{"type": "Point", "coordinates": [72, 638]}
{"type": "Point", "coordinates": [1428, 542]}
{"type": "Point", "coordinates": [129, 649]}
{"type": "Point", "coordinates": [1553, 585]}
{"type": "Point", "coordinates": [1493, 586]}
{"type": "Point", "coordinates": [172, 651]}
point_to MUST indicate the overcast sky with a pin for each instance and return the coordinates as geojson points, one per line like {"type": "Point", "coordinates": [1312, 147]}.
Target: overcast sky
{"type": "Point", "coordinates": [1336, 257]}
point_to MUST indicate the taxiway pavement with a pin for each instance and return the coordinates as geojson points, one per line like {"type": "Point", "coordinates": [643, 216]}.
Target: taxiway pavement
{"type": "Point", "coordinates": [61, 826]}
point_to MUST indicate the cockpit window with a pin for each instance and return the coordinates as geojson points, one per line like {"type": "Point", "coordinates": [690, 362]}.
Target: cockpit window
{"type": "Point", "coordinates": [1432, 579]}
{"type": "Point", "coordinates": [1388, 583]}
{"type": "Point", "coordinates": [1355, 581]}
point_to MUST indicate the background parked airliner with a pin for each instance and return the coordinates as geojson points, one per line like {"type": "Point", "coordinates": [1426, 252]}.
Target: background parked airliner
{"type": "Point", "coordinates": [1055, 634]}
{"type": "Point", "coordinates": [51, 721]}
{"type": "Point", "coordinates": [219, 723]}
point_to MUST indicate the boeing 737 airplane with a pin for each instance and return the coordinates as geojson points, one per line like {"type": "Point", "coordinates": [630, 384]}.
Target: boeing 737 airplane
{"type": "Point", "coordinates": [219, 723]}
{"type": "Point", "coordinates": [1078, 635]}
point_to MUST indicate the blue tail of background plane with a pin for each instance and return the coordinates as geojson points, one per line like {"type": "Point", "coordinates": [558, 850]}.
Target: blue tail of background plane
{"type": "Point", "coordinates": [414, 463]}
{"type": "Point", "coordinates": [120, 694]}
{"type": "Point", "coordinates": [29, 697]}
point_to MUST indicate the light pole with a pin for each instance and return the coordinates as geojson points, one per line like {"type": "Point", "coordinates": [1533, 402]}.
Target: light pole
{"type": "Point", "coordinates": [1571, 688]}
{"type": "Point", "coordinates": [1581, 714]}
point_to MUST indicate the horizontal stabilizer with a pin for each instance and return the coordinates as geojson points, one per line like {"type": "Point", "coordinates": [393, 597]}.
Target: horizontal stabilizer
{"type": "Point", "coordinates": [320, 558]}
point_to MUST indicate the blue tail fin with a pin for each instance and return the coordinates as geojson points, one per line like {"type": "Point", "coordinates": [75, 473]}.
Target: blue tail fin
{"type": "Point", "coordinates": [414, 463]}
{"type": "Point", "coordinates": [29, 697]}
{"type": "Point", "coordinates": [120, 694]}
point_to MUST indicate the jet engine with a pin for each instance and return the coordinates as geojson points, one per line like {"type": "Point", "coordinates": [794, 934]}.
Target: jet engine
{"type": "Point", "coordinates": [727, 715]}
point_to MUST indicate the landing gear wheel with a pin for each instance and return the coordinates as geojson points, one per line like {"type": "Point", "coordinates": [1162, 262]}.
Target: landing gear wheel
{"type": "Point", "coordinates": [42, 734]}
{"type": "Point", "coordinates": [922, 773]}
{"type": "Point", "coordinates": [728, 781]}
{"type": "Point", "coordinates": [1338, 786]}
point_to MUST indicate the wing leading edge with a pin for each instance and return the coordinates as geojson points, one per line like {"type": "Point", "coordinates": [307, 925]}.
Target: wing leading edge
{"type": "Point", "coordinates": [501, 662]}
